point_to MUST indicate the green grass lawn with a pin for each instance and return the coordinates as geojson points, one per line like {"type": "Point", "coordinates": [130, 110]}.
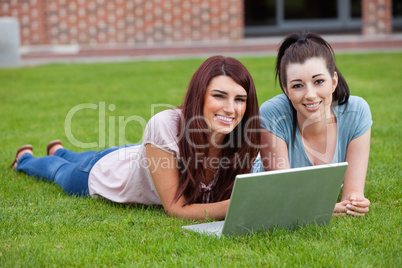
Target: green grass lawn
{"type": "Point", "coordinates": [41, 226]}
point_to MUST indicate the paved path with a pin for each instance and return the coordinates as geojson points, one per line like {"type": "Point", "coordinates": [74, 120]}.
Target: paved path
{"type": "Point", "coordinates": [247, 47]}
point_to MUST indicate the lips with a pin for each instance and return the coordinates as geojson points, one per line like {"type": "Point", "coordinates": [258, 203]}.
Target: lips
{"type": "Point", "coordinates": [312, 106]}
{"type": "Point", "coordinates": [224, 119]}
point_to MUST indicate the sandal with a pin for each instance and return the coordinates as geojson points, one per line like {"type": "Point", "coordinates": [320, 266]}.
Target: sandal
{"type": "Point", "coordinates": [19, 150]}
{"type": "Point", "coordinates": [51, 144]}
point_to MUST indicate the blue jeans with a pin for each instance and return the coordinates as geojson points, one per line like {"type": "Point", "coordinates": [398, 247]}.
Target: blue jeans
{"type": "Point", "coordinates": [68, 169]}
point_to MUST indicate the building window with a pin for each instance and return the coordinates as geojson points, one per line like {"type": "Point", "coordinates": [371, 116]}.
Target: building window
{"type": "Point", "coordinates": [356, 9]}
{"type": "Point", "coordinates": [397, 8]}
{"type": "Point", "coordinates": [260, 12]}
{"type": "Point", "coordinates": [265, 17]}
{"type": "Point", "coordinates": [310, 9]}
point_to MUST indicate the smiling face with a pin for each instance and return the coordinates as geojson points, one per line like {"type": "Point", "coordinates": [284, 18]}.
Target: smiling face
{"type": "Point", "coordinates": [224, 106]}
{"type": "Point", "coordinates": [309, 87]}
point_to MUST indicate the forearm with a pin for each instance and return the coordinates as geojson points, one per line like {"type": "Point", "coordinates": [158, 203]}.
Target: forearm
{"type": "Point", "coordinates": [199, 211]}
{"type": "Point", "coordinates": [357, 156]}
{"type": "Point", "coordinates": [353, 186]}
{"type": "Point", "coordinates": [274, 155]}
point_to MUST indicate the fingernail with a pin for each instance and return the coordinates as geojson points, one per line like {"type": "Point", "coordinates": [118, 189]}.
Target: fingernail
{"type": "Point", "coordinates": [354, 203]}
{"type": "Point", "coordinates": [349, 212]}
{"type": "Point", "coordinates": [348, 206]}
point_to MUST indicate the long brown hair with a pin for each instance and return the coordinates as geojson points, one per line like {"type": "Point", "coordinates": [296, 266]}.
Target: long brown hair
{"type": "Point", "coordinates": [242, 143]}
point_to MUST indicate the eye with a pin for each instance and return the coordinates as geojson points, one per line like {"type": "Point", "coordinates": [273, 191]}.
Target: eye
{"type": "Point", "coordinates": [240, 100]}
{"type": "Point", "coordinates": [218, 96]}
{"type": "Point", "coordinates": [319, 81]}
{"type": "Point", "coordinates": [296, 86]}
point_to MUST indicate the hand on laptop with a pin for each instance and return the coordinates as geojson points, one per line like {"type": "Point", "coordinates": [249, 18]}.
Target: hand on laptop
{"type": "Point", "coordinates": [355, 206]}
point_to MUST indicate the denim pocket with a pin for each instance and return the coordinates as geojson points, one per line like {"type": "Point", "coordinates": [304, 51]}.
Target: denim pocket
{"type": "Point", "coordinates": [87, 165]}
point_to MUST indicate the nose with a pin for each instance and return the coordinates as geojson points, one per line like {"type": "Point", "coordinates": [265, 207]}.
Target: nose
{"type": "Point", "coordinates": [229, 107]}
{"type": "Point", "coordinates": [310, 93]}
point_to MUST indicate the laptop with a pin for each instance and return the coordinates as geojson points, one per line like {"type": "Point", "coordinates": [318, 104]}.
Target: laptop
{"type": "Point", "coordinates": [279, 199]}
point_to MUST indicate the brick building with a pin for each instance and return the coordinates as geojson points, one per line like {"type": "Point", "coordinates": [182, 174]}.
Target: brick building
{"type": "Point", "coordinates": [90, 22]}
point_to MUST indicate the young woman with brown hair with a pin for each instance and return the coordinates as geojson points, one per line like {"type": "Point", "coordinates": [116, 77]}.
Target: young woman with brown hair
{"type": "Point", "coordinates": [316, 121]}
{"type": "Point", "coordinates": [189, 156]}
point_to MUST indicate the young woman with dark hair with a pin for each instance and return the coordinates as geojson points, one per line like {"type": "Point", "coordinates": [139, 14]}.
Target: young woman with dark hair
{"type": "Point", "coordinates": [316, 121]}
{"type": "Point", "coordinates": [189, 156]}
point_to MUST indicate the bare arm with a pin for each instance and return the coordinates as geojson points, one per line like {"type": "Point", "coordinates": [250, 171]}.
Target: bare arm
{"type": "Point", "coordinates": [357, 155]}
{"type": "Point", "coordinates": [274, 154]}
{"type": "Point", "coordinates": [165, 176]}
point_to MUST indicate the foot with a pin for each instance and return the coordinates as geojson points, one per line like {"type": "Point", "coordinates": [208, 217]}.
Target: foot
{"type": "Point", "coordinates": [53, 146]}
{"type": "Point", "coordinates": [20, 152]}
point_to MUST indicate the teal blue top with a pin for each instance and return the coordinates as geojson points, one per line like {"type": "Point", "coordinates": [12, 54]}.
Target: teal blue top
{"type": "Point", "coordinates": [353, 120]}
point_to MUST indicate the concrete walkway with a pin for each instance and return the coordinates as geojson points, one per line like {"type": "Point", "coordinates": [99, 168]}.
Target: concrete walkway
{"type": "Point", "coordinates": [36, 55]}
